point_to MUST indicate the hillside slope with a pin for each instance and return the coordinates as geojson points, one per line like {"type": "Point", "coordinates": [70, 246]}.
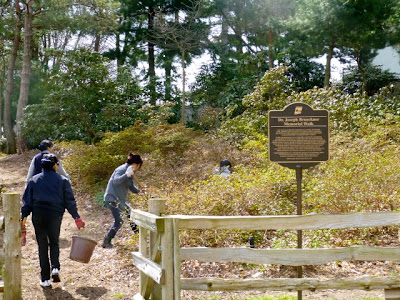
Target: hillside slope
{"type": "Point", "coordinates": [110, 273]}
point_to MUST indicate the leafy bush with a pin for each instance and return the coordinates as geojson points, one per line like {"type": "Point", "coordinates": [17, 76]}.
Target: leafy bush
{"type": "Point", "coordinates": [84, 101]}
{"type": "Point", "coordinates": [361, 175]}
{"type": "Point", "coordinates": [3, 145]}
{"type": "Point", "coordinates": [172, 153]}
{"type": "Point", "coordinates": [375, 76]}
{"type": "Point", "coordinates": [333, 186]}
{"type": "Point", "coordinates": [270, 93]}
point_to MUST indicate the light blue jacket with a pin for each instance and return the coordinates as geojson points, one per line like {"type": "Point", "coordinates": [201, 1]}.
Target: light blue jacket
{"type": "Point", "coordinates": [118, 187]}
{"type": "Point", "coordinates": [224, 171]}
{"type": "Point", "coordinates": [31, 171]}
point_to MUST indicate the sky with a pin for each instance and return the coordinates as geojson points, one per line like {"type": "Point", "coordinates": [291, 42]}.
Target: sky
{"type": "Point", "coordinates": [389, 59]}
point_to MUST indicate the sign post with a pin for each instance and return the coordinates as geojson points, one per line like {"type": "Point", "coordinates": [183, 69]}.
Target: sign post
{"type": "Point", "coordinates": [298, 139]}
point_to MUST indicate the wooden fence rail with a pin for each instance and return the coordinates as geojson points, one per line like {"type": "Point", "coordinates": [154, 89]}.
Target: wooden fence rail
{"type": "Point", "coordinates": [163, 266]}
{"type": "Point", "coordinates": [10, 254]}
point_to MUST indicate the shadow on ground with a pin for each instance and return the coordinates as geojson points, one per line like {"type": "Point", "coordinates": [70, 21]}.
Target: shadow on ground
{"type": "Point", "coordinates": [90, 293]}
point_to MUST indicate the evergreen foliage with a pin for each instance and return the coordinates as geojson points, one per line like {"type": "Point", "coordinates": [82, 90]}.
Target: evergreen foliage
{"type": "Point", "coordinates": [179, 166]}
{"type": "Point", "coordinates": [84, 100]}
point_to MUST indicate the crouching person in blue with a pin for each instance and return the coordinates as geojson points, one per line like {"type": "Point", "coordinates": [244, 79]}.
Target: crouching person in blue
{"type": "Point", "coordinates": [46, 196]}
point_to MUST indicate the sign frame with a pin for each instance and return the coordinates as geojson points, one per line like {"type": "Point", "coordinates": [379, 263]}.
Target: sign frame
{"type": "Point", "coordinates": [298, 134]}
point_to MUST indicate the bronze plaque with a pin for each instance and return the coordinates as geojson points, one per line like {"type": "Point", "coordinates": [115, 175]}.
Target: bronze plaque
{"type": "Point", "coordinates": [298, 134]}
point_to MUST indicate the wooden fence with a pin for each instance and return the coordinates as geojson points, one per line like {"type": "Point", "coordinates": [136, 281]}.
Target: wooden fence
{"type": "Point", "coordinates": [159, 257]}
{"type": "Point", "coordinates": [10, 253]}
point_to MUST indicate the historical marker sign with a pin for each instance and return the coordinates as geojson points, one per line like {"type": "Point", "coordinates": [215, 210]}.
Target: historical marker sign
{"type": "Point", "coordinates": [298, 134]}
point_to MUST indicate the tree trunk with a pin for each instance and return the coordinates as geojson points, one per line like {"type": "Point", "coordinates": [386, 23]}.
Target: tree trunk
{"type": "Point", "coordinates": [151, 58]}
{"type": "Point", "coordinates": [224, 37]}
{"type": "Point", "coordinates": [362, 71]}
{"type": "Point", "coordinates": [118, 50]}
{"type": "Point", "coordinates": [22, 145]}
{"type": "Point", "coordinates": [329, 56]}
{"type": "Point", "coordinates": [8, 126]}
{"type": "Point", "coordinates": [270, 49]}
{"type": "Point", "coordinates": [78, 39]}
{"type": "Point", "coordinates": [183, 88]}
{"type": "Point", "coordinates": [168, 76]}
{"type": "Point", "coordinates": [1, 101]}
{"type": "Point", "coordinates": [97, 43]}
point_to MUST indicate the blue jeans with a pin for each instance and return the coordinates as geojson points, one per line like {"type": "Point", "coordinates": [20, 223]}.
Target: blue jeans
{"type": "Point", "coordinates": [118, 213]}
{"type": "Point", "coordinates": [47, 226]}
{"type": "Point", "coordinates": [118, 221]}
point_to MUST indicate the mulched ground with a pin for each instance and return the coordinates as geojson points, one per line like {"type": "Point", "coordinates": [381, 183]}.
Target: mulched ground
{"type": "Point", "coordinates": [110, 273]}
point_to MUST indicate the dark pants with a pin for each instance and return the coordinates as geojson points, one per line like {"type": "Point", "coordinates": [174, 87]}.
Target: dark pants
{"type": "Point", "coordinates": [47, 229]}
{"type": "Point", "coordinates": [118, 220]}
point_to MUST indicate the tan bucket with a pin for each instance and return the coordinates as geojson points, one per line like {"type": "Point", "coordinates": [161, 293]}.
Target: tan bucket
{"type": "Point", "coordinates": [82, 249]}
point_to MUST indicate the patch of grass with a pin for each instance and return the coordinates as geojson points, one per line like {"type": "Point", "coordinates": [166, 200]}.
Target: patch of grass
{"type": "Point", "coordinates": [99, 199]}
{"type": "Point", "coordinates": [118, 296]}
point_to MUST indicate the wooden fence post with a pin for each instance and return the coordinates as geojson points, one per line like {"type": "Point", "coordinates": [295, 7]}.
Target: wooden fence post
{"type": "Point", "coordinates": [177, 260]}
{"type": "Point", "coordinates": [392, 294]}
{"type": "Point", "coordinates": [167, 261]}
{"type": "Point", "coordinates": [156, 207]}
{"type": "Point", "coordinates": [12, 247]}
{"type": "Point", "coordinates": [143, 250]}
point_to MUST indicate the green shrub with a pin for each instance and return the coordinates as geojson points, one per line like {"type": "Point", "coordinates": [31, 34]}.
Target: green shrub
{"type": "Point", "coordinates": [171, 154]}
{"type": "Point", "coordinates": [99, 199]}
{"type": "Point", "coordinates": [3, 145]}
{"type": "Point", "coordinates": [361, 175]}
{"type": "Point", "coordinates": [88, 167]}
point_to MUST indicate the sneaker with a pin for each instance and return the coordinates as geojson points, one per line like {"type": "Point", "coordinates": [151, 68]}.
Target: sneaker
{"type": "Point", "coordinates": [45, 284]}
{"type": "Point", "coordinates": [55, 274]}
{"type": "Point", "coordinates": [107, 243]}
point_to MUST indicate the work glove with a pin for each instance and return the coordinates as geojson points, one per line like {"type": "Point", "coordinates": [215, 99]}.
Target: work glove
{"type": "Point", "coordinates": [129, 171]}
{"type": "Point", "coordinates": [134, 227]}
{"type": "Point", "coordinates": [79, 223]}
{"type": "Point", "coordinates": [23, 232]}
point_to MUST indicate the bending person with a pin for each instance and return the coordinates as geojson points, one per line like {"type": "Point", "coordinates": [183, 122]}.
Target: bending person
{"type": "Point", "coordinates": [121, 181]}
{"type": "Point", "coordinates": [224, 169]}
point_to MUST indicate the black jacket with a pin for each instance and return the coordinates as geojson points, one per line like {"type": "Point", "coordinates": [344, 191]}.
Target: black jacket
{"type": "Point", "coordinates": [48, 191]}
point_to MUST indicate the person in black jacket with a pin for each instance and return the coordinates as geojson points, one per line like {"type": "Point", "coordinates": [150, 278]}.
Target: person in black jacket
{"type": "Point", "coordinates": [46, 196]}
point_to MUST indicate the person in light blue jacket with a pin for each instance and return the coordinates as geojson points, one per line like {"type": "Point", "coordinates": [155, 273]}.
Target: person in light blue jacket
{"type": "Point", "coordinates": [120, 183]}
{"type": "Point", "coordinates": [35, 167]}
{"type": "Point", "coordinates": [224, 169]}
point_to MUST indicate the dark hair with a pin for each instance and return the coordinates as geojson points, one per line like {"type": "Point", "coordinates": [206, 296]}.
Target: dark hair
{"type": "Point", "coordinates": [225, 163]}
{"type": "Point", "coordinates": [134, 159]}
{"type": "Point", "coordinates": [45, 144]}
{"type": "Point", "coordinates": [49, 160]}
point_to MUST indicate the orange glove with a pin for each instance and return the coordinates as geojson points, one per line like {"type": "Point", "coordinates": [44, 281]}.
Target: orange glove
{"type": "Point", "coordinates": [23, 232]}
{"type": "Point", "coordinates": [79, 223]}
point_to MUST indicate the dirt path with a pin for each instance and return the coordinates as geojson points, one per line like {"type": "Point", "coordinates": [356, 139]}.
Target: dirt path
{"type": "Point", "coordinates": [110, 275]}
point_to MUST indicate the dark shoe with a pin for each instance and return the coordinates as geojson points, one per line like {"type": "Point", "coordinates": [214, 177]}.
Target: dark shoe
{"type": "Point", "coordinates": [107, 243]}
{"type": "Point", "coordinates": [134, 227]}
{"type": "Point", "coordinates": [55, 275]}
